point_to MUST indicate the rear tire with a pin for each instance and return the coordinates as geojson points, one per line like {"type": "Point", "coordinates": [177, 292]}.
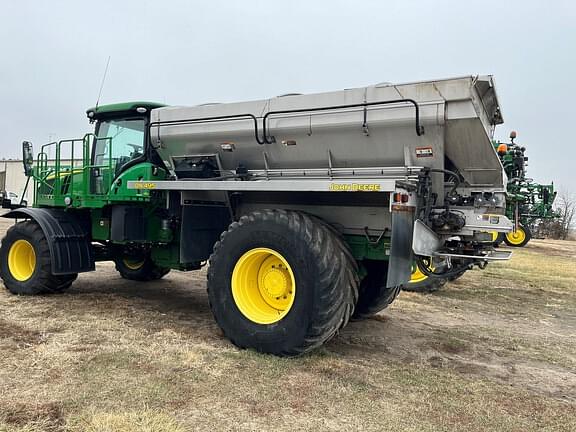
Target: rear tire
{"type": "Point", "coordinates": [499, 239]}
{"type": "Point", "coordinates": [139, 268]}
{"type": "Point", "coordinates": [25, 262]}
{"type": "Point", "coordinates": [456, 277]}
{"type": "Point", "coordinates": [374, 295]}
{"type": "Point", "coordinates": [281, 282]}
{"type": "Point", "coordinates": [518, 238]}
{"type": "Point", "coordinates": [429, 285]}
{"type": "Point", "coordinates": [421, 283]}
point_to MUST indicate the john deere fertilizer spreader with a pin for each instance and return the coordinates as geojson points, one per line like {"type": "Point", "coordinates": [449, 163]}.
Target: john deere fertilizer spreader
{"type": "Point", "coordinates": [308, 209]}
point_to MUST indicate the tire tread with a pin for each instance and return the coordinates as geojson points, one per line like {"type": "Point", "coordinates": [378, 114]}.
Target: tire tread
{"type": "Point", "coordinates": [337, 281]}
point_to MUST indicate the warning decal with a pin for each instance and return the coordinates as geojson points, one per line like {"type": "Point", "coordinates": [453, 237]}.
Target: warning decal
{"type": "Point", "coordinates": [424, 152]}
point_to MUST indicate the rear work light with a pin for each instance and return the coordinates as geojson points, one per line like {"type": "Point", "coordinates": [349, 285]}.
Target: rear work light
{"type": "Point", "coordinates": [400, 198]}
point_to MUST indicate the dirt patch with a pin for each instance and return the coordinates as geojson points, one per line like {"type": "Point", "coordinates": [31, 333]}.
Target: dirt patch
{"type": "Point", "coordinates": [516, 332]}
{"type": "Point", "coordinates": [20, 335]}
{"type": "Point", "coordinates": [48, 417]}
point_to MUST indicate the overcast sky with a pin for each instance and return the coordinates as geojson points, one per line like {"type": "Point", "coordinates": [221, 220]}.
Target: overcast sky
{"type": "Point", "coordinates": [53, 55]}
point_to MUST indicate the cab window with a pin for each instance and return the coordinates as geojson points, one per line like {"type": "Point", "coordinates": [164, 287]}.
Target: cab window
{"type": "Point", "coordinates": [126, 137]}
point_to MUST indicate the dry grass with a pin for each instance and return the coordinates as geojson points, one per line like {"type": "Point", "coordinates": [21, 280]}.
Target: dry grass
{"type": "Point", "coordinates": [496, 350]}
{"type": "Point", "coordinates": [142, 421]}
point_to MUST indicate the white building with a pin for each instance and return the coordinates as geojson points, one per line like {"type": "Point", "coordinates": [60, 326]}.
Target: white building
{"type": "Point", "coordinates": [12, 178]}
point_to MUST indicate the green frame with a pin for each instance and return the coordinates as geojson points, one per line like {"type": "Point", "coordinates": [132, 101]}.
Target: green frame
{"type": "Point", "coordinates": [527, 201]}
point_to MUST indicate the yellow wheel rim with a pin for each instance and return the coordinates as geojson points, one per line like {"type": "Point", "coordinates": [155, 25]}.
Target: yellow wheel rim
{"type": "Point", "coordinates": [417, 275]}
{"type": "Point", "coordinates": [263, 286]}
{"type": "Point", "coordinates": [516, 237]}
{"type": "Point", "coordinates": [133, 264]}
{"type": "Point", "coordinates": [21, 260]}
{"type": "Point", "coordinates": [494, 235]}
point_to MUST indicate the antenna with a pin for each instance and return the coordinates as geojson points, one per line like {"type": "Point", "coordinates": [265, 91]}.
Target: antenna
{"type": "Point", "coordinates": [103, 81]}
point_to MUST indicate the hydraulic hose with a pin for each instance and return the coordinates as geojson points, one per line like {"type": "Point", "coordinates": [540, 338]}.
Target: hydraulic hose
{"type": "Point", "coordinates": [454, 174]}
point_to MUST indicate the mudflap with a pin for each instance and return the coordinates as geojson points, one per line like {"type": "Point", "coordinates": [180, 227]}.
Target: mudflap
{"type": "Point", "coordinates": [69, 243]}
{"type": "Point", "coordinates": [401, 258]}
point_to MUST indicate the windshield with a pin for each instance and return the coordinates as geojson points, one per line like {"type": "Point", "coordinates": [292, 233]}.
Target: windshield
{"type": "Point", "coordinates": [126, 138]}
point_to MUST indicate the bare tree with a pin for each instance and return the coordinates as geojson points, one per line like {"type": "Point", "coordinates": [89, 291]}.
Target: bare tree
{"type": "Point", "coordinates": [560, 227]}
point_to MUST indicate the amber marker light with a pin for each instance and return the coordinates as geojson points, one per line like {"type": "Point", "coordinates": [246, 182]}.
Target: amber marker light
{"type": "Point", "coordinates": [502, 149]}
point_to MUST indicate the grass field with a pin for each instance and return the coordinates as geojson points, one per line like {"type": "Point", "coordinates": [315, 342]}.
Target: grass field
{"type": "Point", "coordinates": [495, 350]}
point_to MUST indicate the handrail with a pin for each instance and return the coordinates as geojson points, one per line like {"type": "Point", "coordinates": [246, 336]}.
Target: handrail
{"type": "Point", "coordinates": [58, 169]}
{"type": "Point", "coordinates": [58, 179]}
{"type": "Point", "coordinates": [269, 140]}
{"type": "Point", "coordinates": [419, 128]}
{"type": "Point", "coordinates": [209, 120]}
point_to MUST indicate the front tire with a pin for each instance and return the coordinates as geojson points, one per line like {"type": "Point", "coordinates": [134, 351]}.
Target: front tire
{"type": "Point", "coordinates": [281, 282]}
{"type": "Point", "coordinates": [65, 282]}
{"type": "Point", "coordinates": [25, 262]}
{"type": "Point", "coordinates": [518, 238]}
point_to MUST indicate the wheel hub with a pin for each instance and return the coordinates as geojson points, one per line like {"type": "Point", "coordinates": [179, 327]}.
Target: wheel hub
{"type": "Point", "coordinates": [263, 285]}
{"type": "Point", "coordinates": [517, 236]}
{"type": "Point", "coordinates": [21, 260]}
{"type": "Point", "coordinates": [275, 283]}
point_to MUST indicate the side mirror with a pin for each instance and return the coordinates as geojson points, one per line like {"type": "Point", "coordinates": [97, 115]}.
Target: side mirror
{"type": "Point", "coordinates": [27, 157]}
